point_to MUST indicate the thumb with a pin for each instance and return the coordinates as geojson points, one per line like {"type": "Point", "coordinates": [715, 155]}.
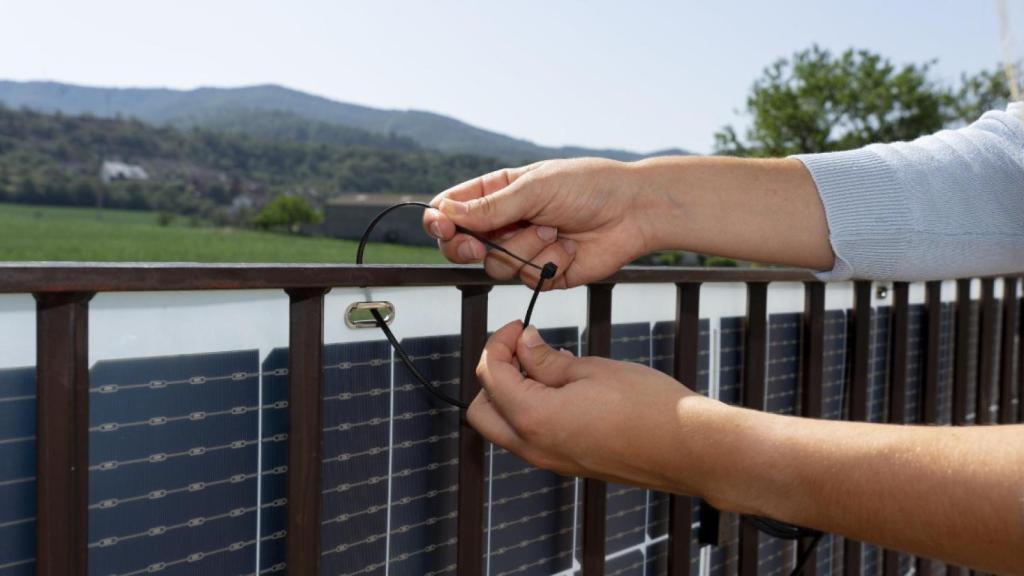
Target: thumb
{"type": "Point", "coordinates": [492, 211]}
{"type": "Point", "coordinates": [542, 362]}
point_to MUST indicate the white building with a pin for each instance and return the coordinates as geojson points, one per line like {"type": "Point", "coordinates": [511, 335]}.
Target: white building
{"type": "Point", "coordinates": [112, 170]}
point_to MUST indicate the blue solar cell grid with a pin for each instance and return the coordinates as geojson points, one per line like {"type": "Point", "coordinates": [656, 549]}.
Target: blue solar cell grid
{"type": "Point", "coordinates": [17, 471]}
{"type": "Point", "coordinates": [173, 464]}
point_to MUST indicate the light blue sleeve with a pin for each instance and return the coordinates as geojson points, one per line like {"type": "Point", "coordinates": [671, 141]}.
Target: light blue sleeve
{"type": "Point", "coordinates": [943, 206]}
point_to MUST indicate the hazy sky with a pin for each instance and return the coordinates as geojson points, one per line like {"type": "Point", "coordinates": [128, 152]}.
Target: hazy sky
{"type": "Point", "coordinates": [638, 75]}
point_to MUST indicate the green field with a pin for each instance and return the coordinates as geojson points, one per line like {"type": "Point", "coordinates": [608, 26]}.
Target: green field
{"type": "Point", "coordinates": [87, 234]}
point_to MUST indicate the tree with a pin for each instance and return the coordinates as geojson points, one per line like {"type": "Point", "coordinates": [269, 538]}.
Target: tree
{"type": "Point", "coordinates": [986, 90]}
{"type": "Point", "coordinates": [286, 212]}
{"type": "Point", "coordinates": [815, 102]}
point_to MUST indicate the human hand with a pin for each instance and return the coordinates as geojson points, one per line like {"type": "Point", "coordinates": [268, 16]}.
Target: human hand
{"type": "Point", "coordinates": [588, 416]}
{"type": "Point", "coordinates": [581, 214]}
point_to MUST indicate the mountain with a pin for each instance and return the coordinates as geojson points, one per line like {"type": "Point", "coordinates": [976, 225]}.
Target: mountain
{"type": "Point", "coordinates": [205, 106]}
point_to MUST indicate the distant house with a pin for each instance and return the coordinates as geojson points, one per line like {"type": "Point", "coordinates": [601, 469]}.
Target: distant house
{"type": "Point", "coordinates": [346, 216]}
{"type": "Point", "coordinates": [112, 170]}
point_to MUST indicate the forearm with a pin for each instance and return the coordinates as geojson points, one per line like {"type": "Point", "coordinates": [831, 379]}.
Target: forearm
{"type": "Point", "coordinates": [951, 493]}
{"type": "Point", "coordinates": [758, 210]}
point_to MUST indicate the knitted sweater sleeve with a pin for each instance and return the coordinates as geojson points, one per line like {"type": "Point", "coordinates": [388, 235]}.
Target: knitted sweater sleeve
{"type": "Point", "coordinates": [942, 206]}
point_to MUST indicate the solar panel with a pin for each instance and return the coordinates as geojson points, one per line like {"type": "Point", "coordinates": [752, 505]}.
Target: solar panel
{"type": "Point", "coordinates": [173, 464]}
{"type": "Point", "coordinates": [17, 471]}
{"type": "Point", "coordinates": [425, 461]}
{"type": "Point", "coordinates": [356, 437]}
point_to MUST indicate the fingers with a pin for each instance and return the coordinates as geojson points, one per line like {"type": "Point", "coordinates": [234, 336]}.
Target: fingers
{"type": "Point", "coordinates": [517, 398]}
{"type": "Point", "coordinates": [485, 418]}
{"type": "Point", "coordinates": [481, 185]}
{"type": "Point", "coordinates": [492, 211]}
{"type": "Point", "coordinates": [542, 362]}
{"type": "Point", "coordinates": [526, 243]}
{"type": "Point", "coordinates": [561, 253]}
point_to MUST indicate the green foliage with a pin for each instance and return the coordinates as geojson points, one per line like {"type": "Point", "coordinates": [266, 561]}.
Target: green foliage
{"type": "Point", "coordinates": [720, 261]}
{"type": "Point", "coordinates": [282, 126]}
{"type": "Point", "coordinates": [286, 212]}
{"type": "Point", "coordinates": [816, 102]}
{"type": "Point", "coordinates": [165, 218]}
{"type": "Point", "coordinates": [986, 90]}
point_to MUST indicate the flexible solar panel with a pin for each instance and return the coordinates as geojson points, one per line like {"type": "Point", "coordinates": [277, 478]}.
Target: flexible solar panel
{"type": "Point", "coordinates": [173, 464]}
{"type": "Point", "coordinates": [17, 471]}
{"type": "Point", "coordinates": [424, 477]}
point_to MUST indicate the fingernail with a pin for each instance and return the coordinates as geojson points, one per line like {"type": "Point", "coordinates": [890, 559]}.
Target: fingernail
{"type": "Point", "coordinates": [531, 337]}
{"type": "Point", "coordinates": [435, 230]}
{"type": "Point", "coordinates": [547, 233]}
{"type": "Point", "coordinates": [466, 251]}
{"type": "Point", "coordinates": [454, 208]}
{"type": "Point", "coordinates": [570, 246]}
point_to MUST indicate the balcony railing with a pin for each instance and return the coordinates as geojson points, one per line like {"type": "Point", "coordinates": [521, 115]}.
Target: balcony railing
{"type": "Point", "coordinates": [62, 377]}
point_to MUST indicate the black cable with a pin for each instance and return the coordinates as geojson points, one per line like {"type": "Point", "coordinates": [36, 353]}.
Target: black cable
{"type": "Point", "coordinates": [787, 532]}
{"type": "Point", "coordinates": [805, 555]}
{"type": "Point", "coordinates": [547, 272]}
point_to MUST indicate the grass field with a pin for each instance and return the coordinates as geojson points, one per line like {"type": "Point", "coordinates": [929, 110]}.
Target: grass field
{"type": "Point", "coordinates": [86, 234]}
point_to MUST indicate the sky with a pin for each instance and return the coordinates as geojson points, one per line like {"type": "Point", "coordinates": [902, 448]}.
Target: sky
{"type": "Point", "coordinates": [640, 75]}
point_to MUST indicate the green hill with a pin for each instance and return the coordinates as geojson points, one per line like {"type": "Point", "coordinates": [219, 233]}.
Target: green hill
{"type": "Point", "coordinates": [56, 159]}
{"type": "Point", "coordinates": [202, 107]}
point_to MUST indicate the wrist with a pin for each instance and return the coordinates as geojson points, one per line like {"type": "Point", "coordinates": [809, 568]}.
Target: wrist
{"type": "Point", "coordinates": [657, 206]}
{"type": "Point", "coordinates": [733, 456]}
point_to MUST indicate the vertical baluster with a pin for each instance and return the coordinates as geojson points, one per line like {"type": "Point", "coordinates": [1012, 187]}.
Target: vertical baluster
{"type": "Point", "coordinates": [62, 436]}
{"type": "Point", "coordinates": [305, 441]}
{"type": "Point", "coordinates": [685, 370]}
{"type": "Point", "coordinates": [1006, 415]}
{"type": "Point", "coordinates": [599, 343]}
{"type": "Point", "coordinates": [986, 344]}
{"type": "Point", "coordinates": [754, 365]}
{"type": "Point", "coordinates": [897, 384]}
{"type": "Point", "coordinates": [812, 372]}
{"type": "Point", "coordinates": [470, 530]}
{"type": "Point", "coordinates": [961, 374]}
{"type": "Point", "coordinates": [858, 409]}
